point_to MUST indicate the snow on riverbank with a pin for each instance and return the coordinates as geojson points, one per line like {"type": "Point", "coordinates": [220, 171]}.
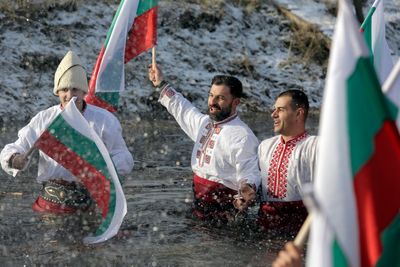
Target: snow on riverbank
{"type": "Point", "coordinates": [195, 42]}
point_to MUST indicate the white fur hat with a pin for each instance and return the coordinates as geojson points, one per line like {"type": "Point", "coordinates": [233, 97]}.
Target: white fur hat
{"type": "Point", "coordinates": [70, 74]}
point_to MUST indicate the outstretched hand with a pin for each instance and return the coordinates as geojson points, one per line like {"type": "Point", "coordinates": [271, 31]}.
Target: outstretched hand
{"type": "Point", "coordinates": [245, 198]}
{"type": "Point", "coordinates": [155, 75]}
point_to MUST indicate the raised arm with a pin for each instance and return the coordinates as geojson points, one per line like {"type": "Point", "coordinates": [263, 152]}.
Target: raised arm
{"type": "Point", "coordinates": [188, 117]}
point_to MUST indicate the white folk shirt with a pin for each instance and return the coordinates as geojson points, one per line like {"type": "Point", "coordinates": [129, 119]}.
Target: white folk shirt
{"type": "Point", "coordinates": [105, 124]}
{"type": "Point", "coordinates": [224, 152]}
{"type": "Point", "coordinates": [286, 166]}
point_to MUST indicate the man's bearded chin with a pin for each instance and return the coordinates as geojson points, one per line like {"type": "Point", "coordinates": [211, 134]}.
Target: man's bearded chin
{"type": "Point", "coordinates": [221, 115]}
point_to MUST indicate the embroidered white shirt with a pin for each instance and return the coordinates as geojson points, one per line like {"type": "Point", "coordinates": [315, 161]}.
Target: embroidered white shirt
{"type": "Point", "coordinates": [224, 152]}
{"type": "Point", "coordinates": [286, 166]}
{"type": "Point", "coordinates": [103, 122]}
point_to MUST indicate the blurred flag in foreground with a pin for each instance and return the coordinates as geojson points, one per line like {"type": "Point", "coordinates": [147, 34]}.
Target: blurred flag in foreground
{"type": "Point", "coordinates": [357, 185]}
{"type": "Point", "coordinates": [373, 29]}
{"type": "Point", "coordinates": [71, 142]}
{"type": "Point", "coordinates": [133, 31]}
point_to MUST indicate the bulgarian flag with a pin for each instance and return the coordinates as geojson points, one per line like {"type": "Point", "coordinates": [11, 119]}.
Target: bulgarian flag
{"type": "Point", "coordinates": [133, 31]}
{"type": "Point", "coordinates": [373, 29]}
{"type": "Point", "coordinates": [71, 142]}
{"type": "Point", "coordinates": [357, 185]}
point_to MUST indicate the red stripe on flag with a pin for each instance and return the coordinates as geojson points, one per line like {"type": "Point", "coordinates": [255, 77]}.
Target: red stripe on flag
{"type": "Point", "coordinates": [91, 97]}
{"type": "Point", "coordinates": [143, 34]}
{"type": "Point", "coordinates": [377, 190]}
{"type": "Point", "coordinates": [94, 181]}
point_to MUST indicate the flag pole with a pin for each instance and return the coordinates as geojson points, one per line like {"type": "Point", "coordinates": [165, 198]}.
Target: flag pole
{"type": "Point", "coordinates": [391, 79]}
{"type": "Point", "coordinates": [153, 60]}
{"type": "Point", "coordinates": [30, 150]}
{"type": "Point", "coordinates": [303, 233]}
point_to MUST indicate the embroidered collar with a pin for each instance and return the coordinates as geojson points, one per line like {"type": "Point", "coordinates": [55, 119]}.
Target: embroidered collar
{"type": "Point", "coordinates": [216, 123]}
{"type": "Point", "coordinates": [295, 139]}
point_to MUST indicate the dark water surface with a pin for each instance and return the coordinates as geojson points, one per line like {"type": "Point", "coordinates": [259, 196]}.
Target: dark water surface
{"type": "Point", "coordinates": [158, 229]}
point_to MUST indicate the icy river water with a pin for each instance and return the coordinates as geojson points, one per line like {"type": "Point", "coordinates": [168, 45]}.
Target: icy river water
{"type": "Point", "coordinates": [158, 229]}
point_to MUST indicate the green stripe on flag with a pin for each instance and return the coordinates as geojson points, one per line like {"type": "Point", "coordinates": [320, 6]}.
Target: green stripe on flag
{"type": "Point", "coordinates": [365, 117]}
{"type": "Point", "coordinates": [338, 257]}
{"type": "Point", "coordinates": [111, 209]}
{"type": "Point", "coordinates": [367, 28]}
{"type": "Point", "coordinates": [391, 244]}
{"type": "Point", "coordinates": [78, 143]}
{"type": "Point", "coordinates": [112, 98]}
{"type": "Point", "coordinates": [110, 30]}
{"type": "Point", "coordinates": [145, 5]}
{"type": "Point", "coordinates": [88, 151]}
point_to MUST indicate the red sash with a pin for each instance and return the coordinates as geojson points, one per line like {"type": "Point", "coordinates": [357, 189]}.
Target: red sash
{"type": "Point", "coordinates": [212, 199]}
{"type": "Point", "coordinates": [58, 197]}
{"type": "Point", "coordinates": [275, 215]}
{"type": "Point", "coordinates": [42, 205]}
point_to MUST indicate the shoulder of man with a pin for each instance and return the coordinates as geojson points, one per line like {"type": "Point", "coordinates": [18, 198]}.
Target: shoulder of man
{"type": "Point", "coordinates": [105, 114]}
{"type": "Point", "coordinates": [48, 113]}
{"type": "Point", "coordinates": [270, 141]}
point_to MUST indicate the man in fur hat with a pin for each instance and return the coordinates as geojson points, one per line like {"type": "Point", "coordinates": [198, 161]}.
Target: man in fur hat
{"type": "Point", "coordinates": [61, 191]}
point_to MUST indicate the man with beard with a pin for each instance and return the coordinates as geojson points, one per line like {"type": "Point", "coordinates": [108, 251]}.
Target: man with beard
{"type": "Point", "coordinates": [287, 162]}
{"type": "Point", "coordinates": [224, 157]}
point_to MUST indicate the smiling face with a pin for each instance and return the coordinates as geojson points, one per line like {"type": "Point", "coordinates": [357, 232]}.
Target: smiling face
{"type": "Point", "coordinates": [221, 103]}
{"type": "Point", "coordinates": [66, 94]}
{"type": "Point", "coordinates": [286, 119]}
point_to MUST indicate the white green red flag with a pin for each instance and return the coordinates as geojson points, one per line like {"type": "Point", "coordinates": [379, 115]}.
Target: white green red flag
{"type": "Point", "coordinates": [357, 185]}
{"type": "Point", "coordinates": [133, 30]}
{"type": "Point", "coordinates": [71, 142]}
{"type": "Point", "coordinates": [373, 29]}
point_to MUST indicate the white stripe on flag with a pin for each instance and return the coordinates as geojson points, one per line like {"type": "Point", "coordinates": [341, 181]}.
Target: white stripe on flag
{"type": "Point", "coordinates": [111, 75]}
{"type": "Point", "coordinates": [76, 120]}
{"type": "Point", "coordinates": [334, 180]}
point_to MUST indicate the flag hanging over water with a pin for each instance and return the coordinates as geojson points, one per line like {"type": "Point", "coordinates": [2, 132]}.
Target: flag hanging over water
{"type": "Point", "coordinates": [373, 29]}
{"type": "Point", "coordinates": [71, 142]}
{"type": "Point", "coordinates": [357, 185]}
{"type": "Point", "coordinates": [133, 30]}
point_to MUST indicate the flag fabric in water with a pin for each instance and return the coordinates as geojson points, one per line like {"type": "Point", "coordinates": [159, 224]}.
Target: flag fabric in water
{"type": "Point", "coordinates": [357, 187]}
{"type": "Point", "coordinates": [133, 31]}
{"type": "Point", "coordinates": [71, 142]}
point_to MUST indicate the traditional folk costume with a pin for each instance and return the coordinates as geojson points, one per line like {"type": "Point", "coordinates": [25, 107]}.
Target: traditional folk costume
{"type": "Point", "coordinates": [223, 157]}
{"type": "Point", "coordinates": [285, 168]}
{"type": "Point", "coordinates": [61, 191]}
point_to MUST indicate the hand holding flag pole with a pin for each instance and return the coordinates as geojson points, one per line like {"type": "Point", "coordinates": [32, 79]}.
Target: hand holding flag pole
{"type": "Point", "coordinates": [303, 233]}
{"type": "Point", "coordinates": [153, 58]}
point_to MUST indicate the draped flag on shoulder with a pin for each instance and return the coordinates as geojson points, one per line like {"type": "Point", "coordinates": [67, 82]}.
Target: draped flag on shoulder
{"type": "Point", "coordinates": [357, 185]}
{"type": "Point", "coordinates": [71, 142]}
{"type": "Point", "coordinates": [373, 29]}
{"type": "Point", "coordinates": [133, 30]}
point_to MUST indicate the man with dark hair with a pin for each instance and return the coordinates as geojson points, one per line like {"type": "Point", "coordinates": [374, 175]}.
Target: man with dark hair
{"type": "Point", "coordinates": [224, 157]}
{"type": "Point", "coordinates": [287, 163]}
